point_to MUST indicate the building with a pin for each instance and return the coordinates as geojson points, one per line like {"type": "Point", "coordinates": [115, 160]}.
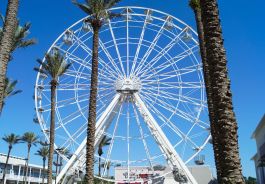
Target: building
{"type": "Point", "coordinates": [259, 157]}
{"type": "Point", "coordinates": [15, 171]}
{"type": "Point", "coordinates": [160, 175]}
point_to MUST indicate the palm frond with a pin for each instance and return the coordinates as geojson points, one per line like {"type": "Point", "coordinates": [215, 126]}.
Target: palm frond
{"type": "Point", "coordinates": [15, 92]}
{"type": "Point", "coordinates": [26, 43]}
{"type": "Point", "coordinates": [54, 65]}
{"type": "Point", "coordinates": [194, 4]}
{"type": "Point", "coordinates": [84, 7]}
{"type": "Point", "coordinates": [110, 3]}
{"type": "Point", "coordinates": [30, 138]}
{"type": "Point", "coordinates": [114, 15]}
{"type": "Point", "coordinates": [9, 88]}
{"type": "Point", "coordinates": [11, 139]}
{"type": "Point", "coordinates": [2, 18]}
{"type": "Point", "coordinates": [21, 35]}
{"type": "Point", "coordinates": [40, 70]}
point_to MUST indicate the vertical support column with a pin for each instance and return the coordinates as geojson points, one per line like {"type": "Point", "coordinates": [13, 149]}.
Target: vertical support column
{"type": "Point", "coordinates": [39, 176]}
{"type": "Point", "coordinates": [18, 174]}
{"type": "Point", "coordinates": [29, 177]}
{"type": "Point", "coordinates": [165, 146]}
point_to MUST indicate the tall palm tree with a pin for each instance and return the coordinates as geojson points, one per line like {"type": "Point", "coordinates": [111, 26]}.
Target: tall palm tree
{"type": "Point", "coordinates": [9, 90]}
{"type": "Point", "coordinates": [11, 140]}
{"type": "Point", "coordinates": [105, 141]}
{"type": "Point", "coordinates": [98, 15]}
{"type": "Point", "coordinates": [31, 140]}
{"type": "Point", "coordinates": [225, 121]}
{"type": "Point", "coordinates": [195, 6]}
{"type": "Point", "coordinates": [6, 43]}
{"type": "Point", "coordinates": [53, 66]}
{"type": "Point", "coordinates": [43, 152]}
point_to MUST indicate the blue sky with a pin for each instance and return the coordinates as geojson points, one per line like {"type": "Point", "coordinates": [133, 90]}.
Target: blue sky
{"type": "Point", "coordinates": [243, 26]}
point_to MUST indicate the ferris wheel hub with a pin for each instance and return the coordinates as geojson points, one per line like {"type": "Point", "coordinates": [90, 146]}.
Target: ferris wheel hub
{"type": "Point", "coordinates": [128, 85]}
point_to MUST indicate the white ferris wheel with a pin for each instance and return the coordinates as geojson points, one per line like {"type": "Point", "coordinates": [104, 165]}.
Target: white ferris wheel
{"type": "Point", "coordinates": [151, 100]}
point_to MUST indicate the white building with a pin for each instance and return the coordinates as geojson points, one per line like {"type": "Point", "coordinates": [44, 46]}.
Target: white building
{"type": "Point", "coordinates": [15, 171]}
{"type": "Point", "coordinates": [259, 157]}
{"type": "Point", "coordinates": [144, 175]}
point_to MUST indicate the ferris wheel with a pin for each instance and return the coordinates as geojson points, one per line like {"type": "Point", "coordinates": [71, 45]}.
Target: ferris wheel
{"type": "Point", "coordinates": [151, 104]}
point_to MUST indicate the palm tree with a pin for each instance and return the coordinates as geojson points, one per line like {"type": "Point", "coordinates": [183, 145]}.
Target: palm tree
{"type": "Point", "coordinates": [59, 160]}
{"type": "Point", "coordinates": [9, 90]}
{"type": "Point", "coordinates": [67, 153]}
{"type": "Point", "coordinates": [195, 6]}
{"type": "Point", "coordinates": [6, 43]}
{"type": "Point", "coordinates": [43, 152]}
{"type": "Point", "coordinates": [105, 141]}
{"type": "Point", "coordinates": [30, 139]}
{"type": "Point", "coordinates": [225, 121]}
{"type": "Point", "coordinates": [20, 37]}
{"type": "Point", "coordinates": [11, 140]}
{"type": "Point", "coordinates": [98, 15]}
{"type": "Point", "coordinates": [53, 66]}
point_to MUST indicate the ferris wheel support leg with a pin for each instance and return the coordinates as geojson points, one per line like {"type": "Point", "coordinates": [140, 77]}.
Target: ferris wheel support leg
{"type": "Point", "coordinates": [102, 124]}
{"type": "Point", "coordinates": [165, 146]}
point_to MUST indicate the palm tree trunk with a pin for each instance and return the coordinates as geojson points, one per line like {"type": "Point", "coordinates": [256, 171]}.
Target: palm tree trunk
{"type": "Point", "coordinates": [89, 177]}
{"type": "Point", "coordinates": [7, 158]}
{"type": "Point", "coordinates": [207, 80]}
{"type": "Point", "coordinates": [7, 42]}
{"type": "Point", "coordinates": [27, 165]}
{"type": "Point", "coordinates": [56, 167]}
{"type": "Point", "coordinates": [43, 170]}
{"type": "Point", "coordinates": [60, 165]}
{"type": "Point", "coordinates": [225, 121]}
{"type": "Point", "coordinates": [99, 164]}
{"type": "Point", "coordinates": [52, 126]}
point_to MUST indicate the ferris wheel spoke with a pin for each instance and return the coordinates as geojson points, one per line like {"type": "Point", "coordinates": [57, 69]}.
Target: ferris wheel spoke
{"type": "Point", "coordinates": [178, 112]}
{"type": "Point", "coordinates": [107, 160]}
{"type": "Point", "coordinates": [163, 52]}
{"type": "Point", "coordinates": [74, 115]}
{"type": "Point", "coordinates": [143, 137]}
{"type": "Point", "coordinates": [105, 50]}
{"type": "Point", "coordinates": [89, 51]}
{"type": "Point", "coordinates": [79, 74]}
{"type": "Point", "coordinates": [116, 47]}
{"type": "Point", "coordinates": [74, 58]}
{"type": "Point", "coordinates": [139, 44]}
{"type": "Point", "coordinates": [81, 131]}
{"type": "Point", "coordinates": [171, 62]}
{"type": "Point", "coordinates": [61, 123]}
{"type": "Point", "coordinates": [150, 48]}
{"type": "Point", "coordinates": [179, 72]}
{"type": "Point", "coordinates": [176, 96]}
{"type": "Point", "coordinates": [174, 110]}
{"type": "Point", "coordinates": [127, 45]}
{"type": "Point", "coordinates": [65, 101]}
{"type": "Point", "coordinates": [166, 85]}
